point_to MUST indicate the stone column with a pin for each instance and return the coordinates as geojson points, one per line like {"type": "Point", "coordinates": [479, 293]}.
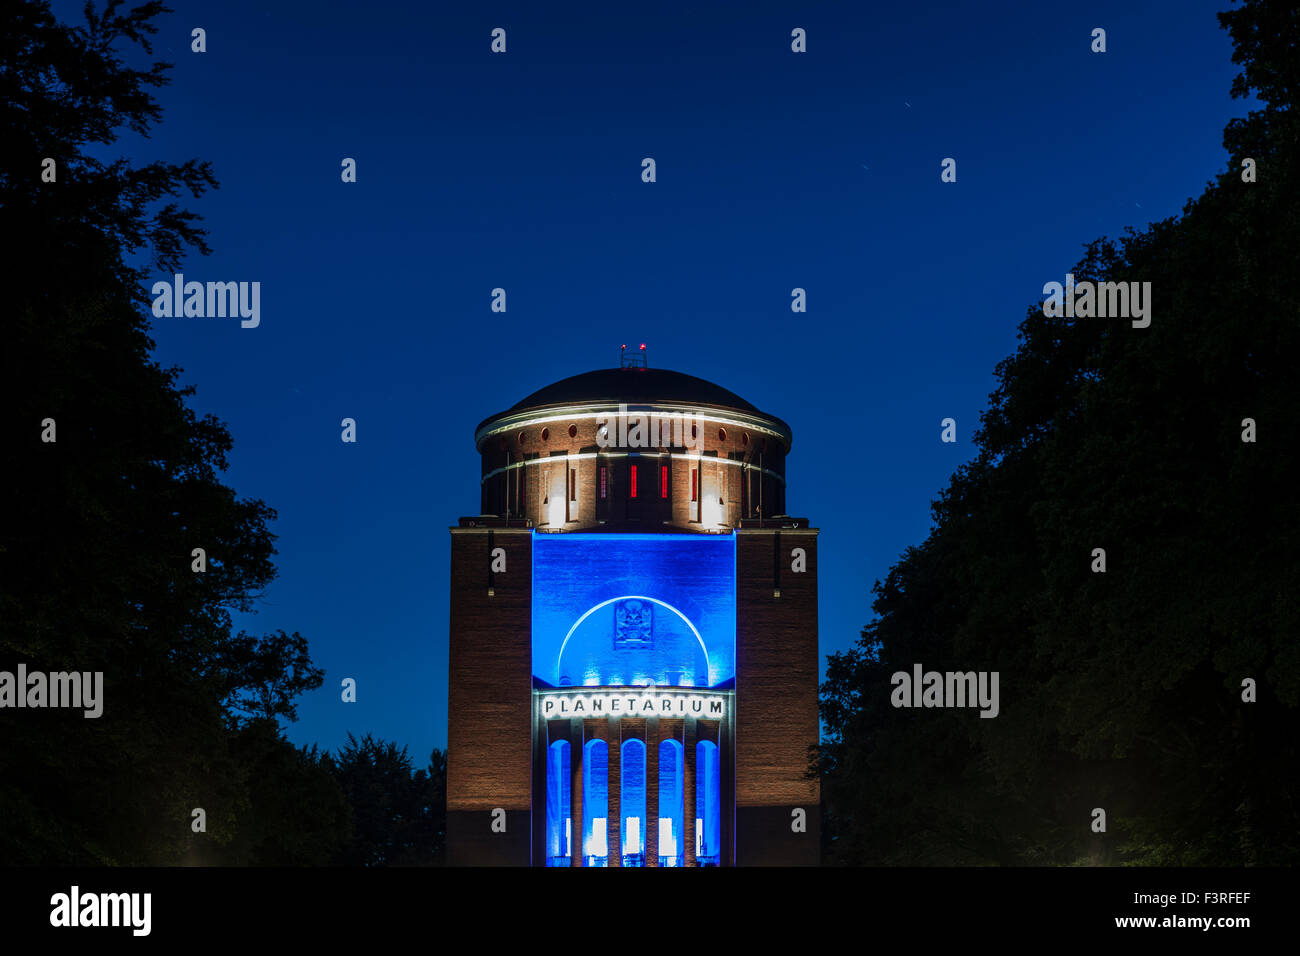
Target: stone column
{"type": "Point", "coordinates": [614, 821]}
{"type": "Point", "coordinates": [652, 792]}
{"type": "Point", "coordinates": [688, 789]}
{"type": "Point", "coordinates": [576, 754]}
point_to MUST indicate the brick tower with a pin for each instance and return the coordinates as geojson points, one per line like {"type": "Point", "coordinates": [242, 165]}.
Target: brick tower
{"type": "Point", "coordinates": [634, 664]}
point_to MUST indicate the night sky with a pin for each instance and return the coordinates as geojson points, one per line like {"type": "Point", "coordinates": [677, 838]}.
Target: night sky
{"type": "Point", "coordinates": [522, 170]}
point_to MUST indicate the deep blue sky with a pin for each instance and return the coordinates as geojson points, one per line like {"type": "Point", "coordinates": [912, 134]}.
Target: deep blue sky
{"type": "Point", "coordinates": [522, 171]}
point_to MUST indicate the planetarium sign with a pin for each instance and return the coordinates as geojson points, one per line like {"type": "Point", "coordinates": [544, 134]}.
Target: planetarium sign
{"type": "Point", "coordinates": [633, 702]}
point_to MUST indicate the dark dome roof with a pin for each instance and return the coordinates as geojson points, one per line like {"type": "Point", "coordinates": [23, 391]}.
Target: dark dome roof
{"type": "Point", "coordinates": [634, 386]}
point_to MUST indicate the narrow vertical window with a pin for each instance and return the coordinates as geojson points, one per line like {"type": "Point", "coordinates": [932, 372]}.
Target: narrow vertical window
{"type": "Point", "coordinates": [559, 823]}
{"type": "Point", "coordinates": [631, 480]}
{"type": "Point", "coordinates": [573, 484]}
{"type": "Point", "coordinates": [708, 817]}
{"type": "Point", "coordinates": [695, 484]}
{"type": "Point", "coordinates": [632, 802]}
{"type": "Point", "coordinates": [663, 481]}
{"type": "Point", "coordinates": [604, 482]}
{"type": "Point", "coordinates": [566, 495]}
{"type": "Point", "coordinates": [595, 804]}
{"type": "Point", "coordinates": [671, 850]}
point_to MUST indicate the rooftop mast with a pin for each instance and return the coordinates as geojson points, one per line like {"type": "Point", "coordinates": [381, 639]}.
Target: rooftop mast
{"type": "Point", "coordinates": [637, 359]}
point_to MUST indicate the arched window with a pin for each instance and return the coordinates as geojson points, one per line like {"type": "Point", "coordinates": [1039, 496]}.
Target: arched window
{"type": "Point", "coordinates": [559, 824]}
{"type": "Point", "coordinates": [672, 851]}
{"type": "Point", "coordinates": [595, 804]}
{"type": "Point", "coordinates": [708, 805]}
{"type": "Point", "coordinates": [632, 802]}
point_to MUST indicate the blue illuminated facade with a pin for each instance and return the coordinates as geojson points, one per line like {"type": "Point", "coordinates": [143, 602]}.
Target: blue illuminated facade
{"type": "Point", "coordinates": [647, 611]}
{"type": "Point", "coordinates": [634, 610]}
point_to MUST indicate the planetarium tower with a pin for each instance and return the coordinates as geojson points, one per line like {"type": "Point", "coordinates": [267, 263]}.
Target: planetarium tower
{"type": "Point", "coordinates": [634, 665]}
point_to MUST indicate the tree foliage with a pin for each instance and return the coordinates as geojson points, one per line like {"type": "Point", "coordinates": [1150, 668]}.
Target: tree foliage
{"type": "Point", "coordinates": [99, 525]}
{"type": "Point", "coordinates": [1120, 690]}
{"type": "Point", "coordinates": [265, 674]}
{"type": "Point", "coordinates": [398, 812]}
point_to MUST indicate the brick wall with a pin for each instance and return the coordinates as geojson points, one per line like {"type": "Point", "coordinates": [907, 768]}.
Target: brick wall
{"type": "Point", "coordinates": [777, 674]}
{"type": "Point", "coordinates": [547, 464]}
{"type": "Point", "coordinates": [489, 707]}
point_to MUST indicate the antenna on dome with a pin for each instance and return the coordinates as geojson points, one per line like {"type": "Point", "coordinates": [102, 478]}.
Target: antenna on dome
{"type": "Point", "coordinates": [637, 359]}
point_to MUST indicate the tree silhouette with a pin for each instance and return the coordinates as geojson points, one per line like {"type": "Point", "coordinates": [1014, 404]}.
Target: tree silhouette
{"type": "Point", "coordinates": [99, 524]}
{"type": "Point", "coordinates": [266, 674]}
{"type": "Point", "coordinates": [1119, 690]}
{"type": "Point", "coordinates": [398, 813]}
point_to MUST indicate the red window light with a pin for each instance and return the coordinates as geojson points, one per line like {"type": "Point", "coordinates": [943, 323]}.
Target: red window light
{"type": "Point", "coordinates": [663, 481]}
{"type": "Point", "coordinates": [632, 481]}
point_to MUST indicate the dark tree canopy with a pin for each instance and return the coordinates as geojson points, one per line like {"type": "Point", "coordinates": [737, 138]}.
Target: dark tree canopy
{"type": "Point", "coordinates": [266, 674]}
{"type": "Point", "coordinates": [99, 525]}
{"type": "Point", "coordinates": [1120, 690]}
{"type": "Point", "coordinates": [398, 816]}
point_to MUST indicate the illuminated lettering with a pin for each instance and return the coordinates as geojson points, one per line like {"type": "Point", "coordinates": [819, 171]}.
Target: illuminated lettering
{"type": "Point", "coordinates": [662, 700]}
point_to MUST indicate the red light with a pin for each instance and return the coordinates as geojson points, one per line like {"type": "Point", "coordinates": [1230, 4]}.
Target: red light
{"type": "Point", "coordinates": [622, 346]}
{"type": "Point", "coordinates": [643, 346]}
